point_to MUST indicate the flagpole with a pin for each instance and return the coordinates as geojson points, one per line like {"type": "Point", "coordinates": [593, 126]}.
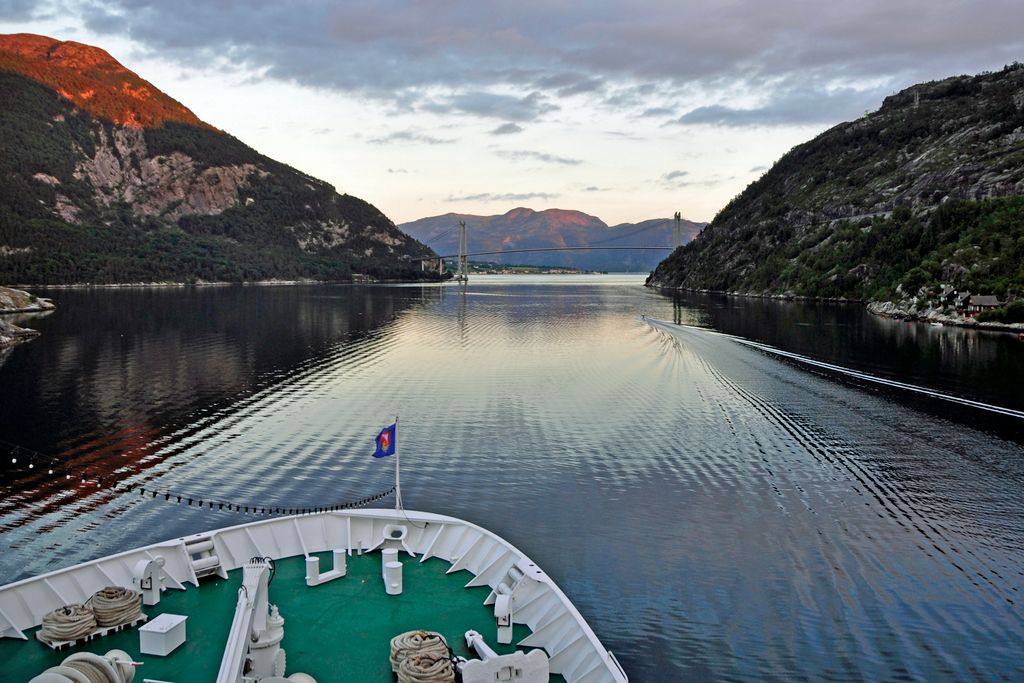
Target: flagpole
{"type": "Point", "coordinates": [398, 483]}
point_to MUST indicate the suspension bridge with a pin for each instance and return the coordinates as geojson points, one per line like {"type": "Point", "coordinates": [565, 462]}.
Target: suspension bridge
{"type": "Point", "coordinates": [463, 255]}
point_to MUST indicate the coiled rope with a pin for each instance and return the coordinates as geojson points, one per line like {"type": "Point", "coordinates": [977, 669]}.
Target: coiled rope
{"type": "Point", "coordinates": [115, 605]}
{"type": "Point", "coordinates": [421, 657]}
{"type": "Point", "coordinates": [114, 667]}
{"type": "Point", "coordinates": [111, 606]}
{"type": "Point", "coordinates": [426, 667]}
{"type": "Point", "coordinates": [91, 671]}
{"type": "Point", "coordinates": [69, 622]}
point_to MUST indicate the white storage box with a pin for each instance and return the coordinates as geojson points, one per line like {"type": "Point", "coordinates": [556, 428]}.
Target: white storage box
{"type": "Point", "coordinates": [161, 635]}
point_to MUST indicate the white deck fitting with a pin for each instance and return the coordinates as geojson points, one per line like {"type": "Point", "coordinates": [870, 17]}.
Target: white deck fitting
{"type": "Point", "coordinates": [574, 650]}
{"type": "Point", "coordinates": [163, 635]}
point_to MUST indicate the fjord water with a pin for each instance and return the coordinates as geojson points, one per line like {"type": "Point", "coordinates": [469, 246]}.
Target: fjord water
{"type": "Point", "coordinates": [715, 513]}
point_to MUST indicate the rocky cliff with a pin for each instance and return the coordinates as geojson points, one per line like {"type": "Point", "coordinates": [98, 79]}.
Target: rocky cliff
{"type": "Point", "coordinates": [919, 196]}
{"type": "Point", "coordinates": [523, 228]}
{"type": "Point", "coordinates": [103, 178]}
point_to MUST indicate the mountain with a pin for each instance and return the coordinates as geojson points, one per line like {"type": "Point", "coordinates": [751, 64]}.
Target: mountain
{"type": "Point", "coordinates": [921, 196]}
{"type": "Point", "coordinates": [523, 228]}
{"type": "Point", "coordinates": [104, 179]}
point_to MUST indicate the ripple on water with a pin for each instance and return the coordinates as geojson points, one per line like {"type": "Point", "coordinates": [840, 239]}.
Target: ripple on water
{"type": "Point", "coordinates": [715, 514]}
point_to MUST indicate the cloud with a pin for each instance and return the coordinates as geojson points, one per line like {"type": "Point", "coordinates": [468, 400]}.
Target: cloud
{"type": "Point", "coordinates": [397, 170]}
{"type": "Point", "coordinates": [595, 188]}
{"type": "Point", "coordinates": [567, 84]}
{"type": "Point", "coordinates": [21, 10]}
{"type": "Point", "coordinates": [758, 169]}
{"type": "Point", "coordinates": [677, 179]}
{"type": "Point", "coordinates": [525, 155]}
{"type": "Point", "coordinates": [623, 134]}
{"type": "Point", "coordinates": [790, 106]}
{"type": "Point", "coordinates": [657, 111]}
{"type": "Point", "coordinates": [631, 96]}
{"type": "Point", "coordinates": [507, 129]}
{"type": "Point", "coordinates": [409, 136]}
{"type": "Point", "coordinates": [406, 52]}
{"type": "Point", "coordinates": [493, 105]}
{"type": "Point", "coordinates": [505, 197]}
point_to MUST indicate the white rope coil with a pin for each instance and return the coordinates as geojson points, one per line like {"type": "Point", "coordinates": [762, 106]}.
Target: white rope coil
{"type": "Point", "coordinates": [85, 667]}
{"type": "Point", "coordinates": [69, 622]}
{"type": "Point", "coordinates": [65, 672]}
{"type": "Point", "coordinates": [91, 671]}
{"type": "Point", "coordinates": [426, 667]}
{"type": "Point", "coordinates": [115, 605]}
{"type": "Point", "coordinates": [409, 642]}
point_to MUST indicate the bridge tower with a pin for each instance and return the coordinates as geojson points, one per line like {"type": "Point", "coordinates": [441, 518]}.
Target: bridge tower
{"type": "Point", "coordinates": [677, 234]}
{"type": "Point", "coordinates": [462, 269]}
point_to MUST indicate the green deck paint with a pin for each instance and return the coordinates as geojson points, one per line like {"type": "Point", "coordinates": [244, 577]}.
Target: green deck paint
{"type": "Point", "coordinates": [338, 631]}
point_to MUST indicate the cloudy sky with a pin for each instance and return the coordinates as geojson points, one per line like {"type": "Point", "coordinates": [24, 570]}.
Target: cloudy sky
{"type": "Point", "coordinates": [625, 110]}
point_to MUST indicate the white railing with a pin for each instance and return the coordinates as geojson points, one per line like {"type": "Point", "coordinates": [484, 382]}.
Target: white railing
{"type": "Point", "coordinates": [557, 626]}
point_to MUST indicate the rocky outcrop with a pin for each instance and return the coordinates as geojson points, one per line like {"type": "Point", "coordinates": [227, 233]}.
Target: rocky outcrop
{"type": "Point", "coordinates": [924, 311]}
{"type": "Point", "coordinates": [166, 186]}
{"type": "Point", "coordinates": [316, 237]}
{"type": "Point", "coordinates": [17, 301]}
{"type": "Point", "coordinates": [11, 334]}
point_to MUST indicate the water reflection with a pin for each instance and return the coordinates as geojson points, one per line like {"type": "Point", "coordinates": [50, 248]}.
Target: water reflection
{"type": "Point", "coordinates": [715, 514]}
{"type": "Point", "coordinates": [118, 373]}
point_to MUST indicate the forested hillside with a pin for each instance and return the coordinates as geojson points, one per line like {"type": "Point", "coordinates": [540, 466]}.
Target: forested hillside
{"type": "Point", "coordinates": [116, 182]}
{"type": "Point", "coordinates": [919, 197]}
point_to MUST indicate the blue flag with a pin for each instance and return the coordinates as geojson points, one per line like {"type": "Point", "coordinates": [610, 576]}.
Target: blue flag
{"type": "Point", "coordinates": [386, 442]}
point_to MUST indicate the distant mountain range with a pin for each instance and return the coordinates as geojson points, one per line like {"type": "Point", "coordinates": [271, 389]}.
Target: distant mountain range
{"type": "Point", "coordinates": [907, 203]}
{"type": "Point", "coordinates": [105, 179]}
{"type": "Point", "coordinates": [524, 228]}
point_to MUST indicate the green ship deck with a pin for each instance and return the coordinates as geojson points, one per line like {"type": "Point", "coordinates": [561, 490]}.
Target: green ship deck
{"type": "Point", "coordinates": [338, 631]}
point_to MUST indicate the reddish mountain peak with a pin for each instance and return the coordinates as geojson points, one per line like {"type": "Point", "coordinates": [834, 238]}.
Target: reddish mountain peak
{"type": "Point", "coordinates": [92, 80]}
{"type": "Point", "coordinates": [27, 44]}
{"type": "Point", "coordinates": [570, 217]}
{"type": "Point", "coordinates": [520, 212]}
{"type": "Point", "coordinates": [67, 54]}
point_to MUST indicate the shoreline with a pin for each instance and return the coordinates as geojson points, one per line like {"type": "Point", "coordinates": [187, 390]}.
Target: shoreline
{"type": "Point", "coordinates": [761, 295]}
{"type": "Point", "coordinates": [204, 283]}
{"type": "Point", "coordinates": [162, 285]}
{"type": "Point", "coordinates": [883, 309]}
{"type": "Point", "coordinates": [895, 311]}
